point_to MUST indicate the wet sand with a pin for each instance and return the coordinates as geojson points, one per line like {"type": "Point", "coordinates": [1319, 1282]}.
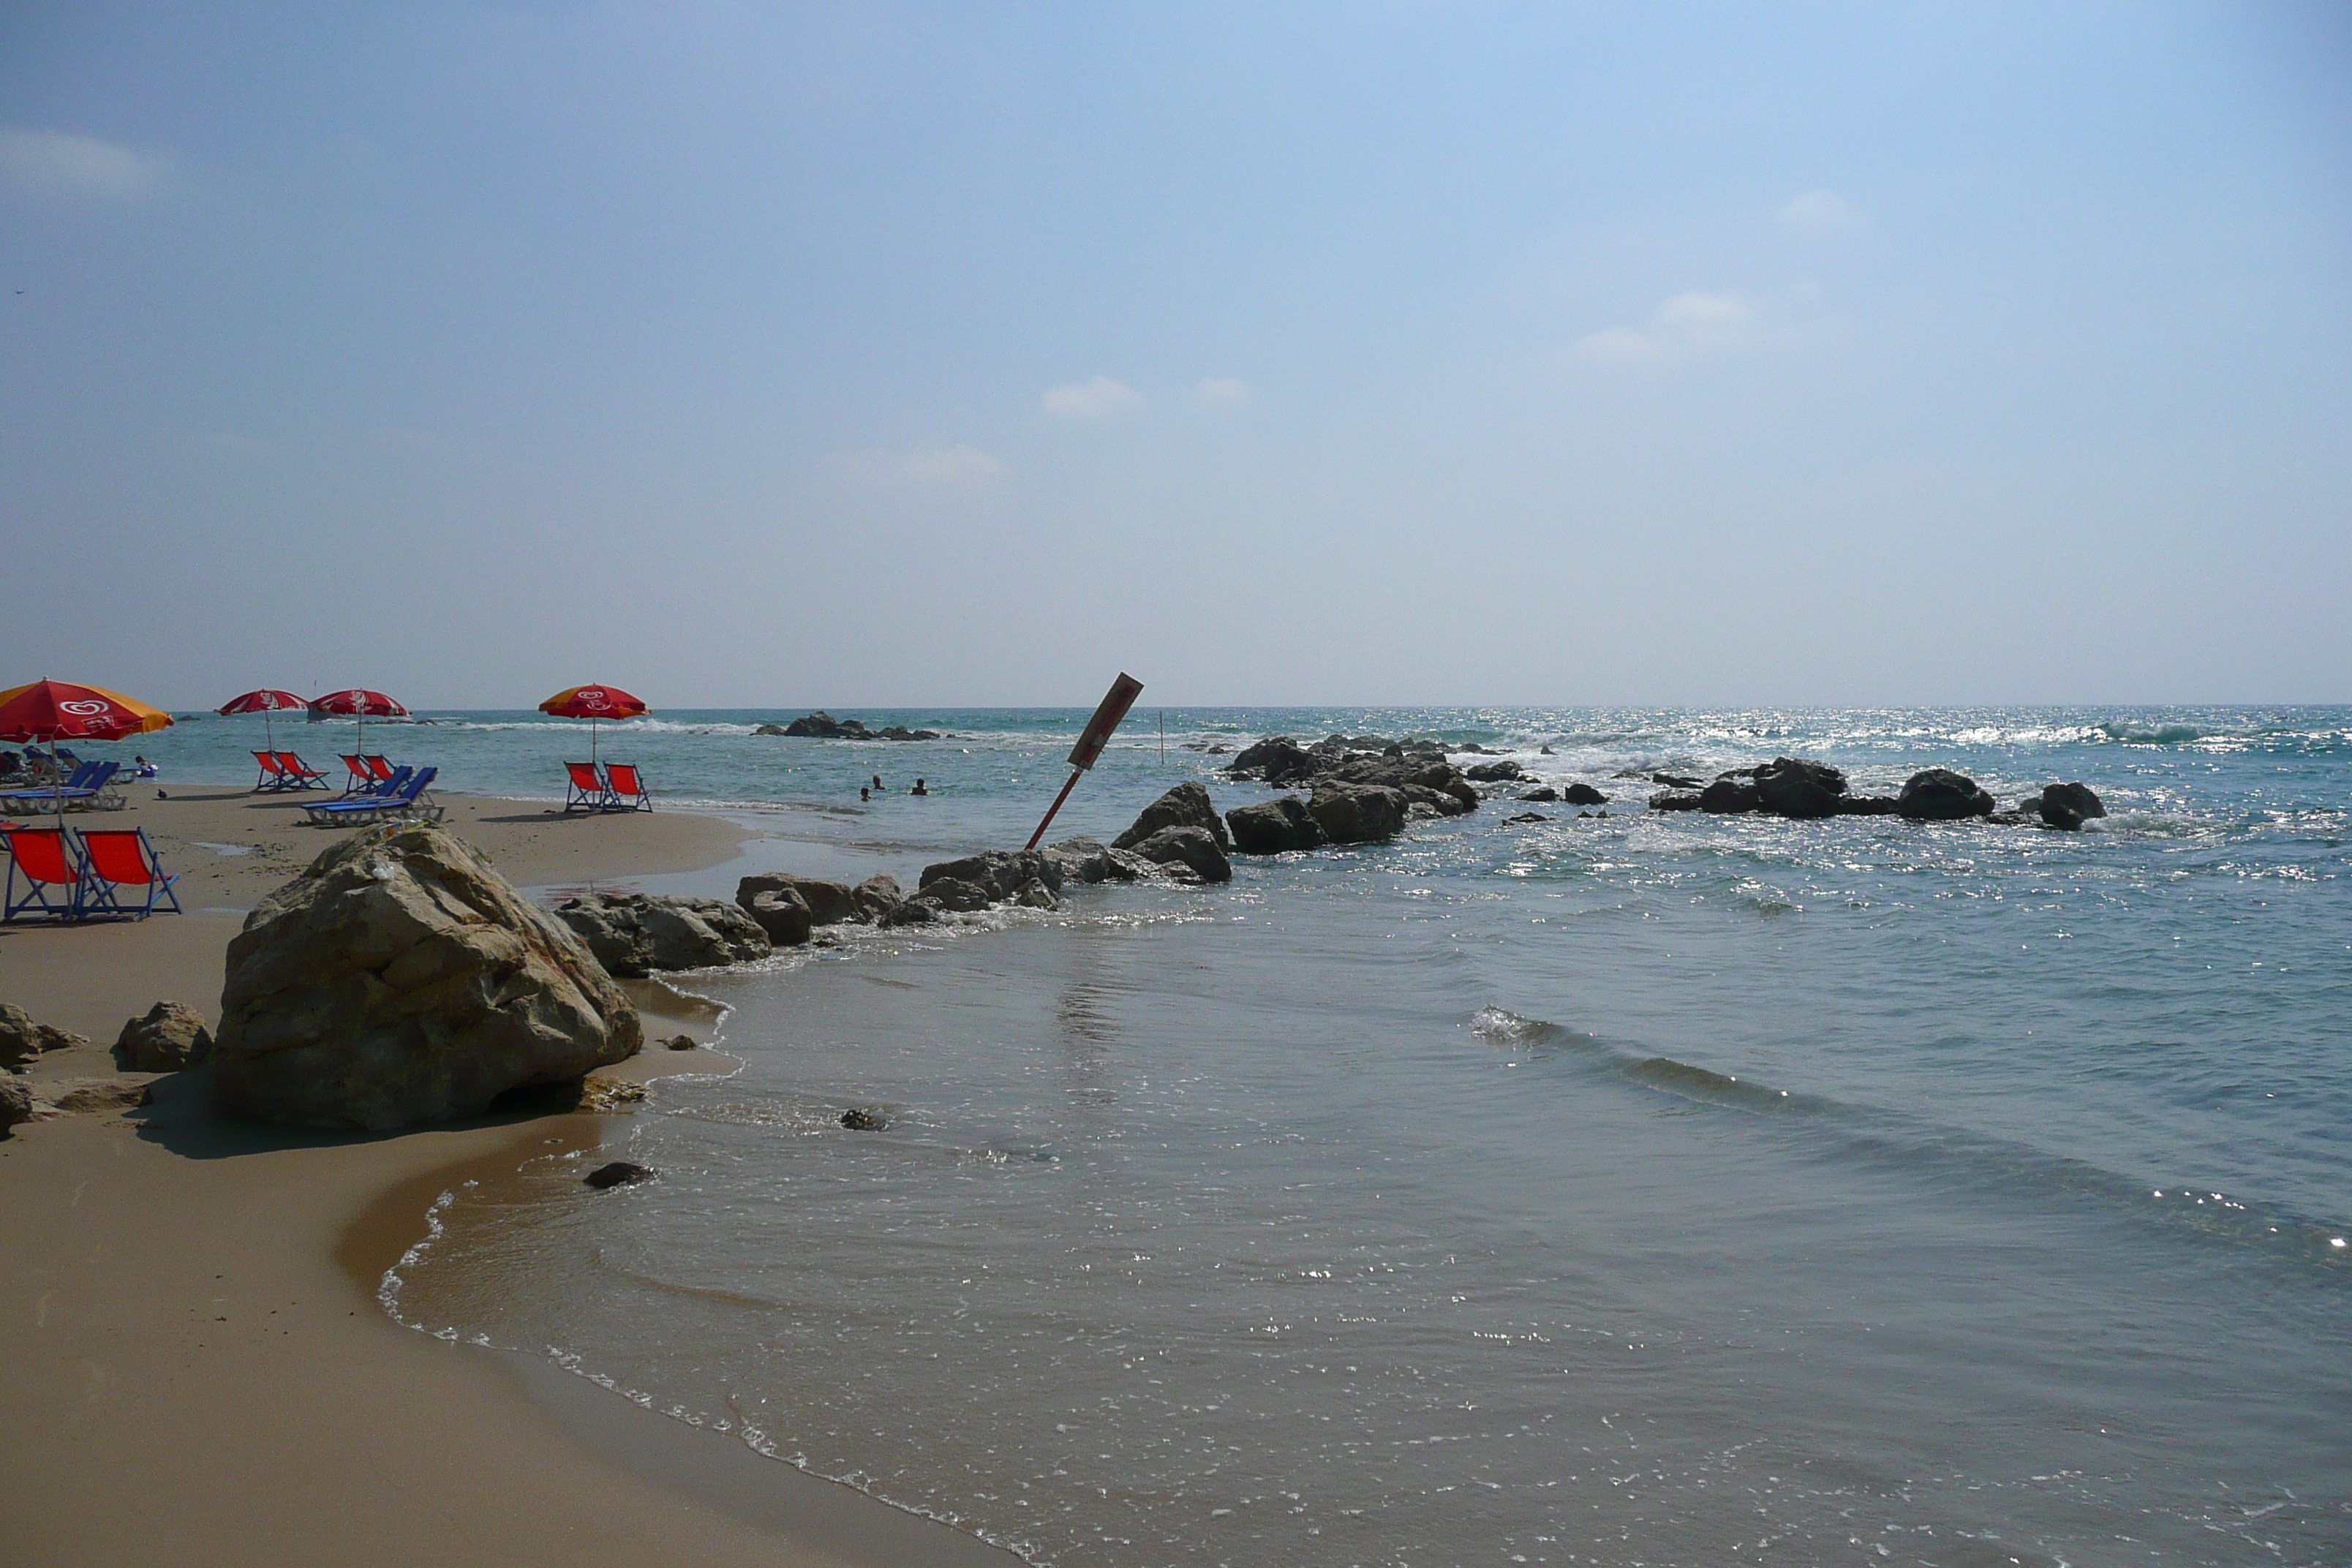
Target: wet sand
{"type": "Point", "coordinates": [198, 1369]}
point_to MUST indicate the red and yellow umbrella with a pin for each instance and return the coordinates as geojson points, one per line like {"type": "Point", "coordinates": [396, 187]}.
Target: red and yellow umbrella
{"type": "Point", "coordinates": [60, 711]}
{"type": "Point", "coordinates": [593, 703]}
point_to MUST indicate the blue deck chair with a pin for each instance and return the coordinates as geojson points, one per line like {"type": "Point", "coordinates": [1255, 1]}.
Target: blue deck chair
{"type": "Point", "coordinates": [81, 787]}
{"type": "Point", "coordinates": [113, 859]}
{"type": "Point", "coordinates": [408, 799]}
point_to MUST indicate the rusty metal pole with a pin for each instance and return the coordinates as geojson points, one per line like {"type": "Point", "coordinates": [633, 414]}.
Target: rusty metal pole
{"type": "Point", "coordinates": [1053, 808]}
{"type": "Point", "coordinates": [1115, 704]}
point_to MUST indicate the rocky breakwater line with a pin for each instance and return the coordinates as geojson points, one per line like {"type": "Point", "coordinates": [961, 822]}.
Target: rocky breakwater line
{"type": "Point", "coordinates": [823, 726]}
{"type": "Point", "coordinates": [400, 980]}
{"type": "Point", "coordinates": [1361, 790]}
{"type": "Point", "coordinates": [1801, 789]}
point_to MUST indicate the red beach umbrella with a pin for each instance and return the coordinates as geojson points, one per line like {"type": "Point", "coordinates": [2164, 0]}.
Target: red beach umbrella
{"type": "Point", "coordinates": [358, 703]}
{"type": "Point", "coordinates": [266, 702]}
{"type": "Point", "coordinates": [594, 704]}
{"type": "Point", "coordinates": [55, 711]}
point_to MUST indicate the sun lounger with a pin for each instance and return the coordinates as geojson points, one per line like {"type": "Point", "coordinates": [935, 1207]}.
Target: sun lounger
{"type": "Point", "coordinates": [91, 785]}
{"type": "Point", "coordinates": [626, 790]}
{"type": "Point", "coordinates": [42, 858]}
{"type": "Point", "coordinates": [585, 789]}
{"type": "Point", "coordinates": [113, 859]}
{"type": "Point", "coordinates": [300, 774]}
{"type": "Point", "coordinates": [408, 797]}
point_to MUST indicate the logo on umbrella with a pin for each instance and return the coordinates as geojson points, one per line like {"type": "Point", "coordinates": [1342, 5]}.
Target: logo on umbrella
{"type": "Point", "coordinates": [81, 708]}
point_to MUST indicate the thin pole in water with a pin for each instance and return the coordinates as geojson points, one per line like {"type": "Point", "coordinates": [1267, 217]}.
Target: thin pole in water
{"type": "Point", "coordinates": [1163, 737]}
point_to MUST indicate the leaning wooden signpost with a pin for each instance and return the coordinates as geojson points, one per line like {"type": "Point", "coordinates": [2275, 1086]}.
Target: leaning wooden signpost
{"type": "Point", "coordinates": [1122, 696]}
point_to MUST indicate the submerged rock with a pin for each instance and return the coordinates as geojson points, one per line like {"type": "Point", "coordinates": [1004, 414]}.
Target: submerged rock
{"type": "Point", "coordinates": [1792, 786]}
{"type": "Point", "coordinates": [1546, 793]}
{"type": "Point", "coordinates": [1867, 806]}
{"type": "Point", "coordinates": [1675, 800]}
{"type": "Point", "coordinates": [1939, 794]}
{"type": "Point", "coordinates": [1495, 773]}
{"type": "Point", "coordinates": [863, 1119]}
{"type": "Point", "coordinates": [1584, 795]}
{"type": "Point", "coordinates": [634, 934]}
{"type": "Point", "coordinates": [1525, 816]}
{"type": "Point", "coordinates": [1274, 826]}
{"type": "Point", "coordinates": [1358, 813]}
{"type": "Point", "coordinates": [400, 980]}
{"type": "Point", "coordinates": [1730, 795]}
{"type": "Point", "coordinates": [619, 1174]}
{"type": "Point", "coordinates": [169, 1037]}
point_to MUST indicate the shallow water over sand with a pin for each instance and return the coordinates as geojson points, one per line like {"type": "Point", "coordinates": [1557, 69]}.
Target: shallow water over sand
{"type": "Point", "coordinates": [1637, 1190]}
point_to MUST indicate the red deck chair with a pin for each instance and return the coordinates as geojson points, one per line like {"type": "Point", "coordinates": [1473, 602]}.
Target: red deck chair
{"type": "Point", "coordinates": [360, 777]}
{"type": "Point", "coordinates": [300, 774]}
{"type": "Point", "coordinates": [628, 790]}
{"type": "Point", "coordinates": [380, 766]}
{"type": "Point", "coordinates": [273, 771]}
{"type": "Point", "coordinates": [585, 791]}
{"type": "Point", "coordinates": [115, 859]}
{"type": "Point", "coordinates": [44, 858]}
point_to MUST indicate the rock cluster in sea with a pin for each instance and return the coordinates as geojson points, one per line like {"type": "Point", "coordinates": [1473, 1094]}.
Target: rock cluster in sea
{"type": "Point", "coordinates": [1801, 789]}
{"type": "Point", "coordinates": [823, 726]}
{"type": "Point", "coordinates": [400, 980]}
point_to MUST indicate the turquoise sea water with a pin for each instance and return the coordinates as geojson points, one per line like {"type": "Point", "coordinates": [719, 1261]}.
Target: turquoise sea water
{"type": "Point", "coordinates": [1646, 1189]}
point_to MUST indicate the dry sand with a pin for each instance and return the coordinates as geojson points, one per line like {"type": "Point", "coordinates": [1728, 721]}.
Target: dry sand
{"type": "Point", "coordinates": [197, 1368]}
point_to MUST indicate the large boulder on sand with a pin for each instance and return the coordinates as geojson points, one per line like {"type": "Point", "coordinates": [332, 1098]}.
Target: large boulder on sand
{"type": "Point", "coordinates": [634, 934]}
{"type": "Point", "coordinates": [169, 1037]}
{"type": "Point", "coordinates": [1190, 846]}
{"type": "Point", "coordinates": [1186, 806]}
{"type": "Point", "coordinates": [829, 903]}
{"type": "Point", "coordinates": [22, 1041]}
{"type": "Point", "coordinates": [400, 980]}
{"type": "Point", "coordinates": [1272, 826]}
{"type": "Point", "coordinates": [1358, 813]}
{"type": "Point", "coordinates": [1793, 787]}
{"type": "Point", "coordinates": [1939, 794]}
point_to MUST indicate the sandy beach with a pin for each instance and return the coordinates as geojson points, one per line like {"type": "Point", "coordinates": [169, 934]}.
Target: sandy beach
{"type": "Point", "coordinates": [199, 1368]}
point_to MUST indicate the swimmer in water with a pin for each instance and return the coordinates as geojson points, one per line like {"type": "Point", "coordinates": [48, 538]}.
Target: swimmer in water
{"type": "Point", "coordinates": [918, 788]}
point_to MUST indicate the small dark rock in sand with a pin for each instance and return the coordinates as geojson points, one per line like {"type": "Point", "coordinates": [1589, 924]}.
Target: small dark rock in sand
{"type": "Point", "coordinates": [1584, 795]}
{"type": "Point", "coordinates": [22, 1040]}
{"type": "Point", "coordinates": [861, 1120]}
{"type": "Point", "coordinates": [680, 1042]}
{"type": "Point", "coordinates": [1939, 794]}
{"type": "Point", "coordinates": [620, 1173]}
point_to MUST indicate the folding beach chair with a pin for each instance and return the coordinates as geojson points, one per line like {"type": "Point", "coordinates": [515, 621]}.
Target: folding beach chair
{"type": "Point", "coordinates": [115, 859]}
{"type": "Point", "coordinates": [300, 775]}
{"type": "Point", "coordinates": [380, 766]}
{"type": "Point", "coordinates": [42, 858]}
{"type": "Point", "coordinates": [273, 771]}
{"type": "Point", "coordinates": [625, 790]}
{"type": "Point", "coordinates": [360, 775]}
{"type": "Point", "coordinates": [584, 789]}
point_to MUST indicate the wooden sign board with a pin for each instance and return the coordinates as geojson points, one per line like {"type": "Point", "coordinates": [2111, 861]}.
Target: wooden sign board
{"type": "Point", "coordinates": [1122, 696]}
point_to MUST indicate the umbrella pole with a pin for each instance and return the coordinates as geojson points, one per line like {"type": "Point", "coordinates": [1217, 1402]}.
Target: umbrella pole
{"type": "Point", "coordinates": [592, 742]}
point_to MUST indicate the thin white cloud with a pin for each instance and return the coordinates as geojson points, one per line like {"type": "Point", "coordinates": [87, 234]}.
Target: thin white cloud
{"type": "Point", "coordinates": [1683, 327]}
{"type": "Point", "coordinates": [1825, 212]}
{"type": "Point", "coordinates": [1101, 398]}
{"type": "Point", "coordinates": [962, 467]}
{"type": "Point", "coordinates": [1222, 391]}
{"type": "Point", "coordinates": [56, 162]}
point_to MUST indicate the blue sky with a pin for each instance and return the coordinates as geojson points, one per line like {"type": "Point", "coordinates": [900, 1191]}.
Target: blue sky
{"type": "Point", "coordinates": [876, 354]}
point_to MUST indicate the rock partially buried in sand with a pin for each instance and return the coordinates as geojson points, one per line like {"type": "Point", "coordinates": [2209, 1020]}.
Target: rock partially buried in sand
{"type": "Point", "coordinates": [169, 1037]}
{"type": "Point", "coordinates": [680, 1042]}
{"type": "Point", "coordinates": [87, 1096]}
{"type": "Point", "coordinates": [400, 980]}
{"type": "Point", "coordinates": [863, 1119]}
{"type": "Point", "coordinates": [634, 934]}
{"type": "Point", "coordinates": [16, 1104]}
{"type": "Point", "coordinates": [23, 1041]}
{"type": "Point", "coordinates": [619, 1174]}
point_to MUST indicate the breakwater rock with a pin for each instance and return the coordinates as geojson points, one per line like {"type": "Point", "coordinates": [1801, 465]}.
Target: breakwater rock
{"type": "Point", "coordinates": [823, 726]}
{"type": "Point", "coordinates": [400, 980]}
{"type": "Point", "coordinates": [1431, 786]}
{"type": "Point", "coordinates": [634, 934]}
{"type": "Point", "coordinates": [1803, 789]}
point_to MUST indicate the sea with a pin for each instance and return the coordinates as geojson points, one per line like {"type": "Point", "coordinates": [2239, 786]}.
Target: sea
{"type": "Point", "coordinates": [1632, 1188]}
